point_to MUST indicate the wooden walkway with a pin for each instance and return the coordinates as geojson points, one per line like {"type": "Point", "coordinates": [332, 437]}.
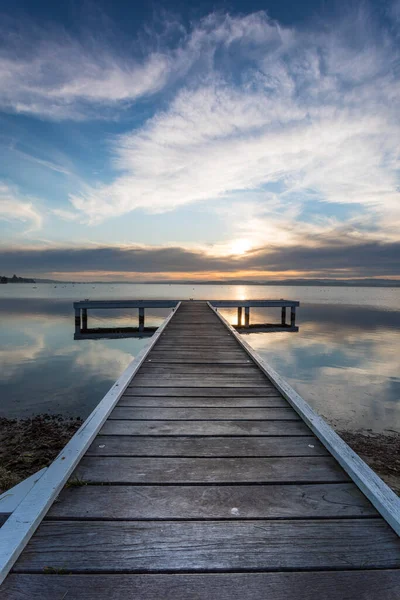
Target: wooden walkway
{"type": "Point", "coordinates": [204, 483]}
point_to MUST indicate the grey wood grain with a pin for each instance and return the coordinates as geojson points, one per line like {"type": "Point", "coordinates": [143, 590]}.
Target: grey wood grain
{"type": "Point", "coordinates": [130, 546]}
{"type": "Point", "coordinates": [198, 414]}
{"type": "Point", "coordinates": [208, 369]}
{"type": "Point", "coordinates": [199, 402]}
{"type": "Point", "coordinates": [183, 380]}
{"type": "Point", "coordinates": [336, 585]}
{"type": "Point", "coordinates": [118, 445]}
{"type": "Point", "coordinates": [199, 359]}
{"type": "Point", "coordinates": [116, 469]}
{"type": "Point", "coordinates": [192, 342]}
{"type": "Point", "coordinates": [195, 392]}
{"type": "Point", "coordinates": [200, 353]}
{"type": "Point", "coordinates": [205, 428]}
{"type": "Point", "coordinates": [212, 502]}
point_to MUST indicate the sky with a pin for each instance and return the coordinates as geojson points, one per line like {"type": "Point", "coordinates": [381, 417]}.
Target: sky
{"type": "Point", "coordinates": [180, 140]}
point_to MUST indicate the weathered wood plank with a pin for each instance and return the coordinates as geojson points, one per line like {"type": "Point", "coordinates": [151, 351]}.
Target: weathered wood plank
{"type": "Point", "coordinates": [199, 402]}
{"type": "Point", "coordinates": [195, 392]}
{"type": "Point", "coordinates": [206, 446]}
{"type": "Point", "coordinates": [188, 359]}
{"type": "Point", "coordinates": [205, 428]}
{"type": "Point", "coordinates": [113, 469]}
{"type": "Point", "coordinates": [336, 585]}
{"type": "Point", "coordinates": [212, 380]}
{"type": "Point", "coordinates": [130, 546]}
{"type": "Point", "coordinates": [193, 342]}
{"type": "Point", "coordinates": [202, 414]}
{"type": "Point", "coordinates": [209, 369]}
{"type": "Point", "coordinates": [203, 352]}
{"type": "Point", "coordinates": [212, 502]}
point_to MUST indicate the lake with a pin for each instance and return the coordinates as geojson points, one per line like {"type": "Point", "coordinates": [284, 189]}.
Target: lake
{"type": "Point", "coordinates": [344, 360]}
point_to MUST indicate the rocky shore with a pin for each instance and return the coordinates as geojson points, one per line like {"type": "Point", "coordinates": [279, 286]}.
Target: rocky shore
{"type": "Point", "coordinates": [381, 451]}
{"type": "Point", "coordinates": [28, 445]}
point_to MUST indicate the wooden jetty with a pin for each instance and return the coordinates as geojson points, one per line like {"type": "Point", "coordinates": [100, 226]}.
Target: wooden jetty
{"type": "Point", "coordinates": [82, 331]}
{"type": "Point", "coordinates": [202, 475]}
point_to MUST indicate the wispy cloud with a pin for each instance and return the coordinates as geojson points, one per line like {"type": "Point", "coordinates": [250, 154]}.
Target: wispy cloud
{"type": "Point", "coordinates": [313, 113]}
{"type": "Point", "coordinates": [14, 207]}
{"type": "Point", "coordinates": [53, 75]}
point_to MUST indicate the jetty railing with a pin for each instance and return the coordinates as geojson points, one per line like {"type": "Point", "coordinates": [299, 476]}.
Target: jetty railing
{"type": "Point", "coordinates": [81, 317]}
{"type": "Point", "coordinates": [245, 305]}
{"type": "Point", "coordinates": [82, 331]}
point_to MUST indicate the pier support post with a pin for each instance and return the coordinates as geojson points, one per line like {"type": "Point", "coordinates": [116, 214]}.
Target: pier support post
{"type": "Point", "coordinates": [84, 319]}
{"type": "Point", "coordinates": [141, 319]}
{"type": "Point", "coordinates": [239, 320]}
{"type": "Point", "coordinates": [283, 316]}
{"type": "Point", "coordinates": [247, 316]}
{"type": "Point", "coordinates": [77, 320]}
{"type": "Point", "coordinates": [292, 316]}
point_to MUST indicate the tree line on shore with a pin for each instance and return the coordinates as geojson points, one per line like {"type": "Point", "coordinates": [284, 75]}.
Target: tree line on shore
{"type": "Point", "coordinates": [15, 279]}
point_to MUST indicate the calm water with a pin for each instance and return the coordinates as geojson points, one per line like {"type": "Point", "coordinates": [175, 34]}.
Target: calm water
{"type": "Point", "coordinates": [344, 361]}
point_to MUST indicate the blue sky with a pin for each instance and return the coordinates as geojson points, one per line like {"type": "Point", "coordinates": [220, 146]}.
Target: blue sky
{"type": "Point", "coordinates": [234, 139]}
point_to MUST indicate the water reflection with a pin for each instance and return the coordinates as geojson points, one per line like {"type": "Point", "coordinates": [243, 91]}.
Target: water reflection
{"type": "Point", "coordinates": [344, 360]}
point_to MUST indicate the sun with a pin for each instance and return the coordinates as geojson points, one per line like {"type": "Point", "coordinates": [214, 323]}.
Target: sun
{"type": "Point", "coordinates": [240, 246]}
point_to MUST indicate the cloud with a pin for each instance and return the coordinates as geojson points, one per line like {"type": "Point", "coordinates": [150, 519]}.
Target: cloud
{"type": "Point", "coordinates": [53, 75]}
{"type": "Point", "coordinates": [257, 121]}
{"type": "Point", "coordinates": [336, 259]}
{"type": "Point", "coordinates": [15, 208]}
{"type": "Point", "coordinates": [296, 114]}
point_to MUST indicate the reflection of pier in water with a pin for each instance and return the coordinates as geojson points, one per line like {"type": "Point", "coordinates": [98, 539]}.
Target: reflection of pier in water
{"type": "Point", "coordinates": [82, 331]}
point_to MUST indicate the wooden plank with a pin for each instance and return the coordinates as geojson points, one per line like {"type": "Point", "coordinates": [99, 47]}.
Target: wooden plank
{"type": "Point", "coordinates": [127, 304]}
{"type": "Point", "coordinates": [252, 303]}
{"type": "Point", "coordinates": [197, 342]}
{"type": "Point", "coordinates": [169, 470]}
{"type": "Point", "coordinates": [212, 380]}
{"type": "Point", "coordinates": [199, 402]}
{"type": "Point", "coordinates": [184, 346]}
{"type": "Point", "coordinates": [333, 585]}
{"type": "Point", "coordinates": [209, 369]}
{"type": "Point", "coordinates": [129, 546]}
{"type": "Point", "coordinates": [200, 352]}
{"type": "Point", "coordinates": [196, 359]}
{"type": "Point", "coordinates": [212, 502]}
{"type": "Point", "coordinates": [120, 445]}
{"type": "Point", "coordinates": [381, 496]}
{"type": "Point", "coordinates": [194, 392]}
{"type": "Point", "coordinates": [199, 414]}
{"type": "Point", "coordinates": [205, 428]}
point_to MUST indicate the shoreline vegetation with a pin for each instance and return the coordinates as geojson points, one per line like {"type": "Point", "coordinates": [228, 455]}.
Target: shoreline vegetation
{"type": "Point", "coordinates": [28, 445]}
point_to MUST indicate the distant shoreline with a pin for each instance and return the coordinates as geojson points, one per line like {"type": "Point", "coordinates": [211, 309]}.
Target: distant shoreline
{"type": "Point", "coordinates": [365, 283]}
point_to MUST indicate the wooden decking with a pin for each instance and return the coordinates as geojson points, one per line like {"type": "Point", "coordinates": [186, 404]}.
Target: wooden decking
{"type": "Point", "coordinates": [204, 483]}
